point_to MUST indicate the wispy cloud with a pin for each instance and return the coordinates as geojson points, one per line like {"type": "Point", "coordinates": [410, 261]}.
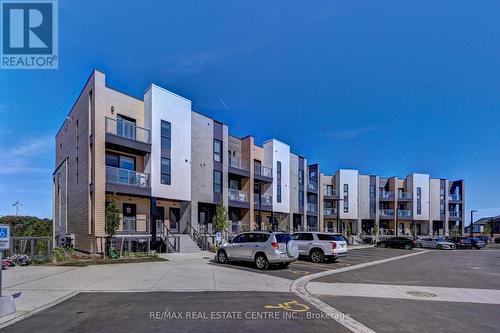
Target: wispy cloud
{"type": "Point", "coordinates": [23, 157]}
{"type": "Point", "coordinates": [350, 134]}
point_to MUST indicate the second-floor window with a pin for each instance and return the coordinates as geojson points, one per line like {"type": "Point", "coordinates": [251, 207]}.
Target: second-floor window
{"type": "Point", "coordinates": [301, 177]}
{"type": "Point", "coordinates": [217, 150]}
{"type": "Point", "coordinates": [166, 133]}
{"type": "Point", "coordinates": [419, 200]}
{"type": "Point", "coordinates": [217, 181]}
{"type": "Point", "coordinates": [441, 208]}
{"type": "Point", "coordinates": [301, 198]}
{"type": "Point", "coordinates": [165, 171]}
{"type": "Point", "coordinates": [346, 198]}
{"type": "Point", "coordinates": [372, 191]}
{"type": "Point", "coordinates": [278, 194]}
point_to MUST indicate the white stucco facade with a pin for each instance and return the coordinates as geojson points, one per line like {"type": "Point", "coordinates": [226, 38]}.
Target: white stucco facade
{"type": "Point", "coordinates": [161, 104]}
{"type": "Point", "coordinates": [422, 181]}
{"type": "Point", "coordinates": [277, 151]}
{"type": "Point", "coordinates": [349, 177]}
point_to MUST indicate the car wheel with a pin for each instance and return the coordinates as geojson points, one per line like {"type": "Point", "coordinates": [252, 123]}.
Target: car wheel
{"type": "Point", "coordinates": [383, 245]}
{"type": "Point", "coordinates": [408, 247]}
{"type": "Point", "coordinates": [222, 257]}
{"type": "Point", "coordinates": [261, 262]}
{"type": "Point", "coordinates": [317, 256]}
{"type": "Point", "coordinates": [439, 247]}
{"type": "Point", "coordinates": [478, 248]}
{"type": "Point", "coordinates": [420, 245]}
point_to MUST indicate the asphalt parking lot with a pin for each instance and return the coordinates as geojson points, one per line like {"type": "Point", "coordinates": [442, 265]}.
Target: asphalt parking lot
{"type": "Point", "coordinates": [306, 267]}
{"type": "Point", "coordinates": [454, 268]}
{"type": "Point", "coordinates": [179, 312]}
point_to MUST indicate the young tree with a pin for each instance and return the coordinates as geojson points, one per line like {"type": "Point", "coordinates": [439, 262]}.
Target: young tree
{"type": "Point", "coordinates": [112, 223]}
{"type": "Point", "coordinates": [487, 229]}
{"type": "Point", "coordinates": [282, 222]}
{"type": "Point", "coordinates": [220, 220]}
{"type": "Point", "coordinates": [348, 231]}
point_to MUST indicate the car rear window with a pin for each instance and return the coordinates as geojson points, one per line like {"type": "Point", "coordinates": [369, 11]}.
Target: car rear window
{"type": "Point", "coordinates": [283, 238]}
{"type": "Point", "coordinates": [326, 237]}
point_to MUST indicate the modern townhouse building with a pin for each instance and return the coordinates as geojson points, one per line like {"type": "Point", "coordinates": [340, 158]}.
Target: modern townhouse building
{"type": "Point", "coordinates": [168, 166]}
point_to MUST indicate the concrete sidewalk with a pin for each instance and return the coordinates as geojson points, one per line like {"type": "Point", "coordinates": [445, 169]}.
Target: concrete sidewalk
{"type": "Point", "coordinates": [44, 286]}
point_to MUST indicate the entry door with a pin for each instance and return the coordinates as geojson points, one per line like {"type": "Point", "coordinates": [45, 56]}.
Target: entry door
{"type": "Point", "coordinates": [129, 216]}
{"type": "Point", "coordinates": [175, 216]}
{"type": "Point", "coordinates": [160, 218]}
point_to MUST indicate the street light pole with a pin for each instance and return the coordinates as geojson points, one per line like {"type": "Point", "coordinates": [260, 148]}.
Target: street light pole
{"type": "Point", "coordinates": [471, 226]}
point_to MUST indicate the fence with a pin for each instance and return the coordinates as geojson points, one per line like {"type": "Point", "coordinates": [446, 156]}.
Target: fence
{"type": "Point", "coordinates": [34, 247]}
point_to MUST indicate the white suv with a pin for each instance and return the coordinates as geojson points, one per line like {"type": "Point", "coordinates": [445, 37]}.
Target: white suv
{"type": "Point", "coordinates": [261, 247]}
{"type": "Point", "coordinates": [319, 246]}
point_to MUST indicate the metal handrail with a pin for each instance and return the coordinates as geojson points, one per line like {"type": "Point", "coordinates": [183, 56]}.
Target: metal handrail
{"type": "Point", "coordinates": [330, 191]}
{"type": "Point", "coordinates": [126, 177]}
{"type": "Point", "coordinates": [404, 195]}
{"type": "Point", "coordinates": [404, 212]}
{"type": "Point", "coordinates": [330, 211]}
{"type": "Point", "coordinates": [386, 194]}
{"type": "Point", "coordinates": [237, 195]}
{"type": "Point", "coordinates": [165, 236]}
{"type": "Point", "coordinates": [236, 162]}
{"type": "Point", "coordinates": [127, 129]}
{"type": "Point", "coordinates": [387, 212]}
{"type": "Point", "coordinates": [263, 171]}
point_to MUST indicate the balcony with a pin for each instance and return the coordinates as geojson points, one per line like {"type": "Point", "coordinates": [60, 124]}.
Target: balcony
{"type": "Point", "coordinates": [454, 214]}
{"type": "Point", "coordinates": [386, 212]}
{"type": "Point", "coordinates": [266, 201]}
{"type": "Point", "coordinates": [312, 186]}
{"type": "Point", "coordinates": [330, 192]}
{"type": "Point", "coordinates": [238, 198]}
{"type": "Point", "coordinates": [330, 212]}
{"type": "Point", "coordinates": [404, 196]}
{"type": "Point", "coordinates": [263, 173]}
{"type": "Point", "coordinates": [454, 197]}
{"type": "Point", "coordinates": [312, 207]}
{"type": "Point", "coordinates": [386, 195]}
{"type": "Point", "coordinates": [404, 213]}
{"type": "Point", "coordinates": [239, 166]}
{"type": "Point", "coordinates": [133, 225]}
{"type": "Point", "coordinates": [127, 181]}
{"type": "Point", "coordinates": [126, 134]}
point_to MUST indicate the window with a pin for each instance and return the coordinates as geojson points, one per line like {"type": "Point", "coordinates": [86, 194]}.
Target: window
{"type": "Point", "coordinates": [441, 194]}
{"type": "Point", "coordinates": [217, 181]}
{"type": "Point", "coordinates": [165, 171]}
{"type": "Point", "coordinates": [217, 151]}
{"type": "Point", "coordinates": [278, 169]}
{"type": "Point", "coordinates": [278, 186]}
{"type": "Point", "coordinates": [278, 194]}
{"type": "Point", "coordinates": [372, 207]}
{"type": "Point", "coordinates": [125, 127]}
{"type": "Point", "coordinates": [301, 177]}
{"type": "Point", "coordinates": [372, 191]}
{"type": "Point", "coordinates": [419, 200]}
{"type": "Point", "coordinates": [328, 204]}
{"type": "Point", "coordinates": [346, 198]}
{"type": "Point", "coordinates": [441, 208]}
{"type": "Point", "coordinates": [240, 239]}
{"type": "Point", "coordinates": [329, 237]}
{"type": "Point", "coordinates": [166, 132]}
{"type": "Point", "coordinates": [301, 198]}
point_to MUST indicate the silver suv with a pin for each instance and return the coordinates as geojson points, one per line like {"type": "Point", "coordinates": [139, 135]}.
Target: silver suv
{"type": "Point", "coordinates": [319, 246]}
{"type": "Point", "coordinates": [263, 248]}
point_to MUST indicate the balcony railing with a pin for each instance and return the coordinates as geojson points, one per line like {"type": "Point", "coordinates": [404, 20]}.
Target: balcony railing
{"type": "Point", "coordinates": [330, 191]}
{"type": "Point", "coordinates": [404, 213]}
{"type": "Point", "coordinates": [330, 212]}
{"type": "Point", "coordinates": [238, 163]}
{"type": "Point", "coordinates": [404, 195]}
{"type": "Point", "coordinates": [263, 171]}
{"type": "Point", "coordinates": [129, 223]}
{"type": "Point", "coordinates": [386, 195]}
{"type": "Point", "coordinates": [126, 177]}
{"type": "Point", "coordinates": [455, 197]}
{"type": "Point", "coordinates": [455, 214]}
{"type": "Point", "coordinates": [312, 185]}
{"type": "Point", "coordinates": [127, 129]}
{"type": "Point", "coordinates": [237, 195]}
{"type": "Point", "coordinates": [266, 200]}
{"type": "Point", "coordinates": [387, 212]}
{"type": "Point", "coordinates": [312, 207]}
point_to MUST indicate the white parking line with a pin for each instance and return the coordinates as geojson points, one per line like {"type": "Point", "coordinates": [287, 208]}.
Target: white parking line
{"type": "Point", "coordinates": [299, 288]}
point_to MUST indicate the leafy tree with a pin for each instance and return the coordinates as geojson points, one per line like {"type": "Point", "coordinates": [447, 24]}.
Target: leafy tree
{"type": "Point", "coordinates": [220, 220]}
{"type": "Point", "coordinates": [282, 222]}
{"type": "Point", "coordinates": [375, 230]}
{"type": "Point", "coordinates": [112, 217]}
{"type": "Point", "coordinates": [348, 230]}
{"type": "Point", "coordinates": [455, 231]}
{"type": "Point", "coordinates": [487, 229]}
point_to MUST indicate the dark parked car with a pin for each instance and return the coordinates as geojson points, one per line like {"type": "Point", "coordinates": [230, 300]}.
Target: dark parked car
{"type": "Point", "coordinates": [497, 240]}
{"type": "Point", "coordinates": [477, 242]}
{"type": "Point", "coordinates": [399, 242]}
{"type": "Point", "coordinates": [460, 242]}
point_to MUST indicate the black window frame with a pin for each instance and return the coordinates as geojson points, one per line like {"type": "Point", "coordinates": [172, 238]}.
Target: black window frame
{"type": "Point", "coordinates": [215, 184]}
{"type": "Point", "coordinates": [218, 154]}
{"type": "Point", "coordinates": [301, 176]}
{"type": "Point", "coordinates": [169, 174]}
{"type": "Point", "coordinates": [419, 200]}
{"type": "Point", "coordinates": [346, 198]}
{"type": "Point", "coordinates": [166, 137]}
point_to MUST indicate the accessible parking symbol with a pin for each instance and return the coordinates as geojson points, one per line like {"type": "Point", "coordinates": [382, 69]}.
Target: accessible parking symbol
{"type": "Point", "coordinates": [29, 35]}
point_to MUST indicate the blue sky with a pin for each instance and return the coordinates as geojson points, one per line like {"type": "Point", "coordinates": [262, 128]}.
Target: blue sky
{"type": "Point", "coordinates": [386, 87]}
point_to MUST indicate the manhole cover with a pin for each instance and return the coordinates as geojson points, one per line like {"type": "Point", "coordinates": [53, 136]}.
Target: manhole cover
{"type": "Point", "coordinates": [417, 293]}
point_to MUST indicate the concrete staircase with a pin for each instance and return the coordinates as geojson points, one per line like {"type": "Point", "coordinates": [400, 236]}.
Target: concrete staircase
{"type": "Point", "coordinates": [187, 245]}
